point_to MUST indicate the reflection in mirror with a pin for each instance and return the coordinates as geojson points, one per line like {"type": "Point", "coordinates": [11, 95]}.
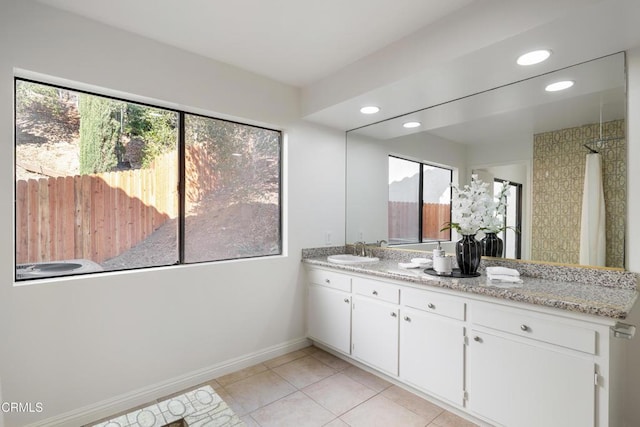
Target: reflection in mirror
{"type": "Point", "coordinates": [419, 201]}
{"type": "Point", "coordinates": [537, 140]}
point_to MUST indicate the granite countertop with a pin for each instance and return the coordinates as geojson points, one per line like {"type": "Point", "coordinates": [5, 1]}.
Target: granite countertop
{"type": "Point", "coordinates": [594, 299]}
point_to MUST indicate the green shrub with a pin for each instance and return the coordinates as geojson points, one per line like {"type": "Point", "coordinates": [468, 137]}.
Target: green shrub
{"type": "Point", "coordinates": [100, 145]}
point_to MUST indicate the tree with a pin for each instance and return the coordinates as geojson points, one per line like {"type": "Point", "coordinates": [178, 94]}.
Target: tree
{"type": "Point", "coordinates": [244, 159]}
{"type": "Point", "coordinates": [34, 98]}
{"type": "Point", "coordinates": [100, 145]}
{"type": "Point", "coordinates": [156, 127]}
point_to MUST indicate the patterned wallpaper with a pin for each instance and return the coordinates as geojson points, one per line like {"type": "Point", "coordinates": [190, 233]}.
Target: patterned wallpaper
{"type": "Point", "coordinates": [558, 180]}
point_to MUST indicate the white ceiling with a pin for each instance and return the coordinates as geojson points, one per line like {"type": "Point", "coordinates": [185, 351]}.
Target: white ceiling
{"type": "Point", "coordinates": [402, 55]}
{"type": "Point", "coordinates": [293, 41]}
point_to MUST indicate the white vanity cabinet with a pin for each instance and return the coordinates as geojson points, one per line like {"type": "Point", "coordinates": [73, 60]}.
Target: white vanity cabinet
{"type": "Point", "coordinates": [504, 363]}
{"type": "Point", "coordinates": [375, 320]}
{"type": "Point", "coordinates": [529, 369]}
{"type": "Point", "coordinates": [329, 309]}
{"type": "Point", "coordinates": [432, 343]}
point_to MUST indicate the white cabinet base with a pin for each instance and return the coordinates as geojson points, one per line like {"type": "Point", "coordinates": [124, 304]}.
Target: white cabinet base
{"type": "Point", "coordinates": [522, 384]}
{"type": "Point", "coordinates": [375, 333]}
{"type": "Point", "coordinates": [502, 362]}
{"type": "Point", "coordinates": [329, 317]}
{"type": "Point", "coordinates": [432, 354]}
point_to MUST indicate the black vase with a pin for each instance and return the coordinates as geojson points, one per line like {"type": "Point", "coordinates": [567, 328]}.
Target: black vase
{"type": "Point", "coordinates": [492, 245]}
{"type": "Point", "coordinates": [468, 254]}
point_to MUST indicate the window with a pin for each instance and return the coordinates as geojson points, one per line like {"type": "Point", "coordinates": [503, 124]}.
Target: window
{"type": "Point", "coordinates": [233, 190]}
{"type": "Point", "coordinates": [513, 218]}
{"type": "Point", "coordinates": [419, 201]}
{"type": "Point", "coordinates": [105, 184]}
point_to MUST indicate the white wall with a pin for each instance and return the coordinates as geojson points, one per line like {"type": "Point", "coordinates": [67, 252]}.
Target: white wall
{"type": "Point", "coordinates": [433, 150]}
{"type": "Point", "coordinates": [518, 171]}
{"type": "Point", "coordinates": [74, 342]}
{"type": "Point", "coordinates": [368, 177]}
{"type": "Point", "coordinates": [498, 154]}
{"type": "Point", "coordinates": [367, 189]}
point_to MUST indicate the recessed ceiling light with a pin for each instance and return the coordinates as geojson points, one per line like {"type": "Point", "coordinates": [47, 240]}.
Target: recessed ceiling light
{"type": "Point", "coordinates": [369, 109]}
{"type": "Point", "coordinates": [410, 125]}
{"type": "Point", "coordinates": [562, 85]}
{"type": "Point", "coordinates": [534, 57]}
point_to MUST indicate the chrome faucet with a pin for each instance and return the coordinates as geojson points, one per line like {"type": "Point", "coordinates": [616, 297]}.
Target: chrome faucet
{"type": "Point", "coordinates": [363, 249]}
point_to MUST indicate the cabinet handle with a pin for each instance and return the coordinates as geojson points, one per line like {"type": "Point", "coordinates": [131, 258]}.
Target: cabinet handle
{"type": "Point", "coordinates": [327, 281]}
{"type": "Point", "coordinates": [346, 300]}
{"type": "Point", "coordinates": [431, 306]}
{"type": "Point", "coordinates": [407, 318]}
{"type": "Point", "coordinates": [525, 328]}
{"type": "Point", "coordinates": [393, 314]}
{"type": "Point", "coordinates": [375, 292]}
{"type": "Point", "coordinates": [477, 339]}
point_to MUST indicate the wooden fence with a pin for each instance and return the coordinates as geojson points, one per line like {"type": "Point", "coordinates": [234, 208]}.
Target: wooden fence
{"type": "Point", "coordinates": [100, 216]}
{"type": "Point", "coordinates": [403, 217]}
{"type": "Point", "coordinates": [96, 216]}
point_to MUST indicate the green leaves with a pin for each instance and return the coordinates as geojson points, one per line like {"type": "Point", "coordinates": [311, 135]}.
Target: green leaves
{"type": "Point", "coordinates": [99, 134]}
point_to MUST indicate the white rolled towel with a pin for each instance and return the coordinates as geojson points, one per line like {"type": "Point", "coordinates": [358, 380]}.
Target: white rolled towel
{"type": "Point", "coordinates": [408, 265]}
{"type": "Point", "coordinates": [503, 274]}
{"type": "Point", "coordinates": [504, 278]}
{"type": "Point", "coordinates": [503, 271]}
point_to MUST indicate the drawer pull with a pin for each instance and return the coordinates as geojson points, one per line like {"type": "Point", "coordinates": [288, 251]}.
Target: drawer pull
{"type": "Point", "coordinates": [477, 339]}
{"type": "Point", "coordinates": [431, 306]}
{"type": "Point", "coordinates": [375, 292]}
{"type": "Point", "coordinates": [346, 300]}
{"type": "Point", "coordinates": [327, 281]}
{"type": "Point", "coordinates": [393, 314]}
{"type": "Point", "coordinates": [407, 319]}
{"type": "Point", "coordinates": [525, 328]}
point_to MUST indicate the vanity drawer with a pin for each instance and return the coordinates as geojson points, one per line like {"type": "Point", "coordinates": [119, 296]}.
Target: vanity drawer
{"type": "Point", "coordinates": [376, 289]}
{"type": "Point", "coordinates": [434, 303]}
{"type": "Point", "coordinates": [330, 279]}
{"type": "Point", "coordinates": [540, 327]}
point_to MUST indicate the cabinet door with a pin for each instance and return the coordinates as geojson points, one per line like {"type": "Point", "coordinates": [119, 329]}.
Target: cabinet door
{"type": "Point", "coordinates": [329, 317]}
{"type": "Point", "coordinates": [375, 333]}
{"type": "Point", "coordinates": [519, 384]}
{"type": "Point", "coordinates": [432, 354]}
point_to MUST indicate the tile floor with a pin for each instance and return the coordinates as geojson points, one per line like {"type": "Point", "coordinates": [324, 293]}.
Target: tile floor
{"type": "Point", "coordinates": [311, 387]}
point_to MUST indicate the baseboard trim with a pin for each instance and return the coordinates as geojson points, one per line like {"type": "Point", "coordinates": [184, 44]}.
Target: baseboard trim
{"type": "Point", "coordinates": [148, 394]}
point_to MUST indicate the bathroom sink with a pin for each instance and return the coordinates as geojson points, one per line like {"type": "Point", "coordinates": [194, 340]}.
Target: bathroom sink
{"type": "Point", "coordinates": [351, 259]}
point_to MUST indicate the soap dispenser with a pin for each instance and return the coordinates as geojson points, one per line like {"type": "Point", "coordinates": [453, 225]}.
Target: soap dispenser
{"type": "Point", "coordinates": [438, 252]}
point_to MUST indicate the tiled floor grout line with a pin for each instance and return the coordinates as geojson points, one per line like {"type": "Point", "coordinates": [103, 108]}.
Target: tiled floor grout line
{"type": "Point", "coordinates": [297, 389]}
{"type": "Point", "coordinates": [340, 371]}
{"type": "Point", "coordinates": [378, 393]}
{"type": "Point", "coordinates": [301, 389]}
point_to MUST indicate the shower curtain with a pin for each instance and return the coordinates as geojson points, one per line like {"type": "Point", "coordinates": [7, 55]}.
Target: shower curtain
{"type": "Point", "coordinates": [592, 224]}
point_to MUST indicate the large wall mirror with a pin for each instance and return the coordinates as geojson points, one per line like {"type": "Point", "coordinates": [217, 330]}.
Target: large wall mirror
{"type": "Point", "coordinates": [521, 133]}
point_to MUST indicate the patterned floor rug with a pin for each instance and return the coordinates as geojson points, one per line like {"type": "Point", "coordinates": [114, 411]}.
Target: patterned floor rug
{"type": "Point", "coordinates": [201, 407]}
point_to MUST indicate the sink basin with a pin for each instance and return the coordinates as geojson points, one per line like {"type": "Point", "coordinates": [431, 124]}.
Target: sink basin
{"type": "Point", "coordinates": [351, 259]}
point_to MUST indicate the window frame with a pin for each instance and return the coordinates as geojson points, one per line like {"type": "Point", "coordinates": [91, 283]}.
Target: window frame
{"type": "Point", "coordinates": [420, 200]}
{"type": "Point", "coordinates": [181, 153]}
{"type": "Point", "coordinates": [518, 220]}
